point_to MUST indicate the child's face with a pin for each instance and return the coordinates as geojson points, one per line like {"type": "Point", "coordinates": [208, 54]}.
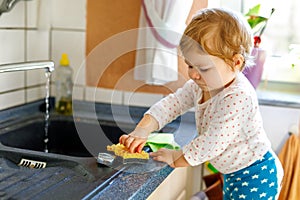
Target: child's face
{"type": "Point", "coordinates": [209, 72]}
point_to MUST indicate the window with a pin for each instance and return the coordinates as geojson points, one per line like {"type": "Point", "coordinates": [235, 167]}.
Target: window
{"type": "Point", "coordinates": [281, 39]}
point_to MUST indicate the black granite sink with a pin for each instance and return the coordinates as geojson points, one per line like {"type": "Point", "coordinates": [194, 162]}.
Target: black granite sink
{"type": "Point", "coordinates": [71, 170]}
{"type": "Point", "coordinates": [65, 135]}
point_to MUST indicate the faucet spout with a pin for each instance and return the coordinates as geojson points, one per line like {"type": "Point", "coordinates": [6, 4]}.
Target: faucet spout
{"type": "Point", "coordinates": [7, 5]}
{"type": "Point", "coordinates": [24, 66]}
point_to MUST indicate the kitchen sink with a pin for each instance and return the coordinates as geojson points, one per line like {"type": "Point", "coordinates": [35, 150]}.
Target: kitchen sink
{"type": "Point", "coordinates": [68, 151]}
{"type": "Point", "coordinates": [67, 136]}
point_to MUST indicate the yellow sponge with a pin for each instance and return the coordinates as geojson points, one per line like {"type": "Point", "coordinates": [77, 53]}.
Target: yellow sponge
{"type": "Point", "coordinates": [122, 151]}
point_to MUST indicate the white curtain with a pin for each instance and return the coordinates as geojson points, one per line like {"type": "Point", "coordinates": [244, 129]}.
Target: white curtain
{"type": "Point", "coordinates": [161, 25]}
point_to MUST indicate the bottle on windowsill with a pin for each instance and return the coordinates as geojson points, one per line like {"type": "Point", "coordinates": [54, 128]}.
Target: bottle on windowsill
{"type": "Point", "coordinates": [64, 86]}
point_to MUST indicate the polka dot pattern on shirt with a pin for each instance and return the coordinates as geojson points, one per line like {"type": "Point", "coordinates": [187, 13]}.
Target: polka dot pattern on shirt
{"type": "Point", "coordinates": [231, 135]}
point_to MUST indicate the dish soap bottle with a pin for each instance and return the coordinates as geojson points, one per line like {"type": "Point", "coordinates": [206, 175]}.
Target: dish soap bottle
{"type": "Point", "coordinates": [64, 86]}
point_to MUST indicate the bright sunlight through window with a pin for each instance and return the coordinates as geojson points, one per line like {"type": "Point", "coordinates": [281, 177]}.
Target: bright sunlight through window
{"type": "Point", "coordinates": [280, 38]}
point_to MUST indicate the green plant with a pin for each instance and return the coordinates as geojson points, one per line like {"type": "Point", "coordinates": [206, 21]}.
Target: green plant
{"type": "Point", "coordinates": [257, 23]}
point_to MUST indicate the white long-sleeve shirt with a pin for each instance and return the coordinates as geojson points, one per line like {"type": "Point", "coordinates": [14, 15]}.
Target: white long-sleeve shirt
{"type": "Point", "coordinates": [231, 134]}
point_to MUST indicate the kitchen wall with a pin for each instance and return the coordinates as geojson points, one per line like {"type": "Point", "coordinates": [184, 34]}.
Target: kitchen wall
{"type": "Point", "coordinates": [44, 29]}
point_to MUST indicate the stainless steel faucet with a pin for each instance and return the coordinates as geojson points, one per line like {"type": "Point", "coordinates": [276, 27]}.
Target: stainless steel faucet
{"type": "Point", "coordinates": [24, 66]}
{"type": "Point", "coordinates": [7, 5]}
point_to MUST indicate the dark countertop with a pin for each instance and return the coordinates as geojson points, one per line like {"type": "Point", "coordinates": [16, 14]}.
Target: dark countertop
{"type": "Point", "coordinates": [133, 185]}
{"type": "Point", "coordinates": [136, 182]}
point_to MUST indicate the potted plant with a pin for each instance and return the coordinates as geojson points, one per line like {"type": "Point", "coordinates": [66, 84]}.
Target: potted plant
{"type": "Point", "coordinates": [258, 25]}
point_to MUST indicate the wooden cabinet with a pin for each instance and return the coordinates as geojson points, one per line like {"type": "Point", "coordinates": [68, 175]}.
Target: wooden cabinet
{"type": "Point", "coordinates": [111, 40]}
{"type": "Point", "coordinates": [181, 184]}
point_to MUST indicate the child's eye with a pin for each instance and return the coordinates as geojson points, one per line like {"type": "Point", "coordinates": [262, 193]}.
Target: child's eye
{"type": "Point", "coordinates": [203, 70]}
{"type": "Point", "coordinates": [198, 68]}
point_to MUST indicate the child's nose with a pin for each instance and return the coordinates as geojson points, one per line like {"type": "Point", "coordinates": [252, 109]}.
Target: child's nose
{"type": "Point", "coordinates": [195, 75]}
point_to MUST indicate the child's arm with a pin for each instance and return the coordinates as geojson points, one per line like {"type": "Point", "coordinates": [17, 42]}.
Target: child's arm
{"type": "Point", "coordinates": [159, 115]}
{"type": "Point", "coordinates": [174, 158]}
{"type": "Point", "coordinates": [136, 140]}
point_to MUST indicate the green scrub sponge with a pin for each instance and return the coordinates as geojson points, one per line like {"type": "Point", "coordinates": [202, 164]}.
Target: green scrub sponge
{"type": "Point", "coordinates": [161, 140]}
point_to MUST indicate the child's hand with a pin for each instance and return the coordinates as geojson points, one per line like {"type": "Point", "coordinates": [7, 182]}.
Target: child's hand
{"type": "Point", "coordinates": [135, 141]}
{"type": "Point", "coordinates": [173, 158]}
{"type": "Point", "coordinates": [164, 155]}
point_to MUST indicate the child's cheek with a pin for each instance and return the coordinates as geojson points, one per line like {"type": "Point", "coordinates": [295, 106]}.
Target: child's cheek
{"type": "Point", "coordinates": [213, 81]}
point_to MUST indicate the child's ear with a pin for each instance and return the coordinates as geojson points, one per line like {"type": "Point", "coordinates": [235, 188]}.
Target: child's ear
{"type": "Point", "coordinates": [238, 60]}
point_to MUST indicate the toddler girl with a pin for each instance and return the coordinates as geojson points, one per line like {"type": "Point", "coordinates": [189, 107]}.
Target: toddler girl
{"type": "Point", "coordinates": [216, 46]}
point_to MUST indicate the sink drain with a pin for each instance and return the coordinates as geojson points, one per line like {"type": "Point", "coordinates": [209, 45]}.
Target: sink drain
{"type": "Point", "coordinates": [32, 163]}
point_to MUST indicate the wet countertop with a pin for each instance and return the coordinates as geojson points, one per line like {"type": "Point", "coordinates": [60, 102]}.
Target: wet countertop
{"type": "Point", "coordinates": [133, 185]}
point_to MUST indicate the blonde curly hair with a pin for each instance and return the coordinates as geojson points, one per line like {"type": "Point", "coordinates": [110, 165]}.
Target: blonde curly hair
{"type": "Point", "coordinates": [221, 33]}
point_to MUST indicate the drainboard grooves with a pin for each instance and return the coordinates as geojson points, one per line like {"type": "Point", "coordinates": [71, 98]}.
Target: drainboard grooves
{"type": "Point", "coordinates": [57, 182]}
{"type": "Point", "coordinates": [32, 178]}
{"type": "Point", "coordinates": [4, 176]}
{"type": "Point", "coordinates": [35, 185]}
{"type": "Point", "coordinates": [15, 178]}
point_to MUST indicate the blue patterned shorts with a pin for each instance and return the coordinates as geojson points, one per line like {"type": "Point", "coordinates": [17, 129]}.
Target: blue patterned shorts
{"type": "Point", "coordinates": [261, 180]}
